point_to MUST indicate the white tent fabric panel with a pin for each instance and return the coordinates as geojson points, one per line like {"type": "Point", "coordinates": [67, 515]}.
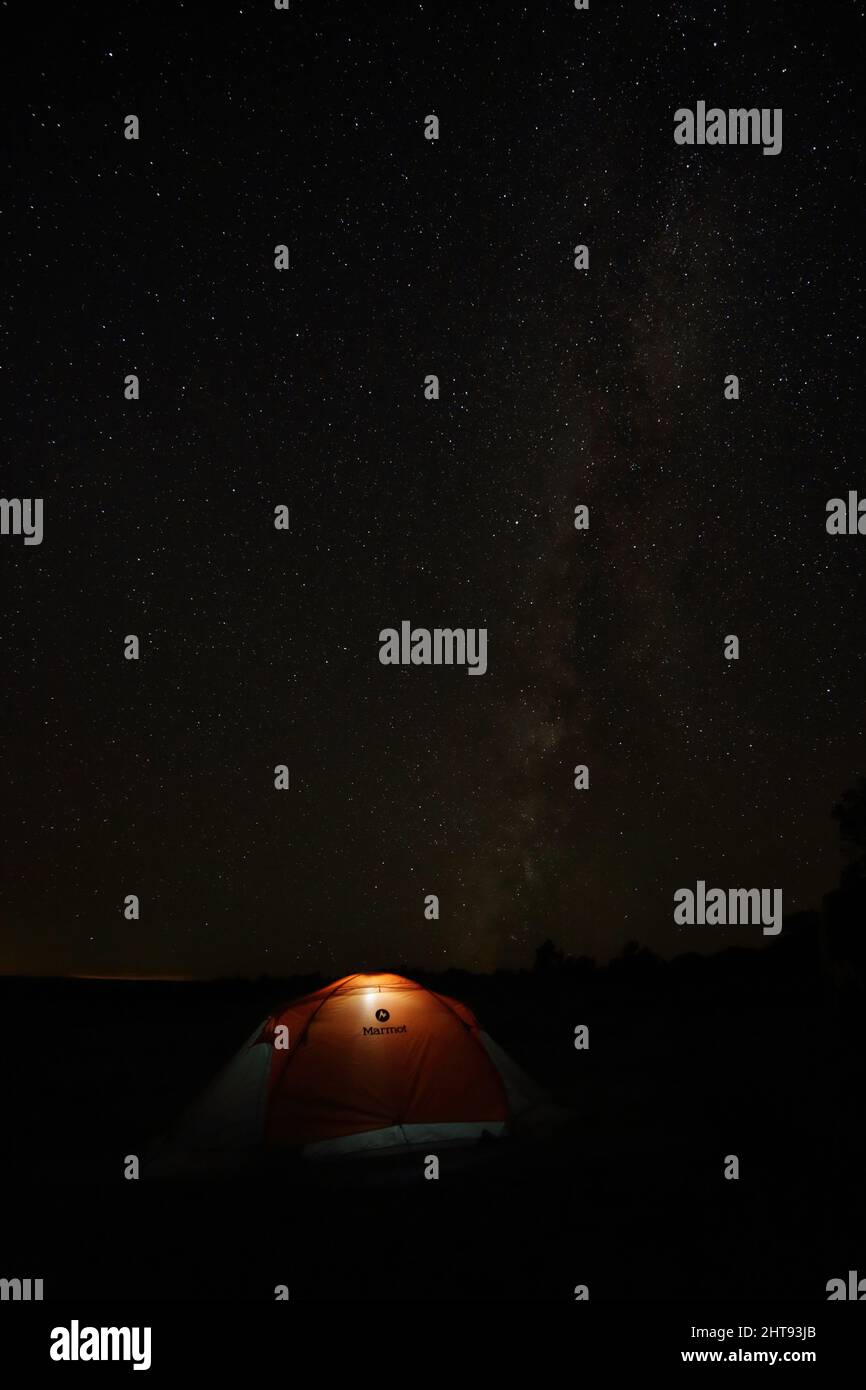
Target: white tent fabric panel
{"type": "Point", "coordinates": [224, 1124]}
{"type": "Point", "coordinates": [522, 1092]}
{"type": "Point", "coordinates": [374, 1141]}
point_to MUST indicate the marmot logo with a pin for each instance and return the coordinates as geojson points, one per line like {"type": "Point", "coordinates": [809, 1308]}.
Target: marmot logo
{"type": "Point", "coordinates": [374, 1032]}
{"type": "Point", "coordinates": [382, 1015]}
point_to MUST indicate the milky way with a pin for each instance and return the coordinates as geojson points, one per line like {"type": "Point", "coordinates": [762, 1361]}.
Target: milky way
{"type": "Point", "coordinates": [559, 388]}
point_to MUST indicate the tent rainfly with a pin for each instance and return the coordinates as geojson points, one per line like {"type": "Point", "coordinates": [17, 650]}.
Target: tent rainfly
{"type": "Point", "coordinates": [371, 1064]}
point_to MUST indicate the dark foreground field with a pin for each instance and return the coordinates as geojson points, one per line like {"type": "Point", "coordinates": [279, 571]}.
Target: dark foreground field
{"type": "Point", "coordinates": [746, 1053]}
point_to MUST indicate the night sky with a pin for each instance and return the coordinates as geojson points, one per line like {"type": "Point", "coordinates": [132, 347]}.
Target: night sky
{"type": "Point", "coordinates": [306, 388]}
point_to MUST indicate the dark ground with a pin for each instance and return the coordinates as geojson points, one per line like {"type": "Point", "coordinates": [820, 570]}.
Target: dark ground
{"type": "Point", "coordinates": [748, 1052]}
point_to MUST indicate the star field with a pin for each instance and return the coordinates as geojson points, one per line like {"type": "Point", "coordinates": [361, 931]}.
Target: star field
{"type": "Point", "coordinates": [305, 388]}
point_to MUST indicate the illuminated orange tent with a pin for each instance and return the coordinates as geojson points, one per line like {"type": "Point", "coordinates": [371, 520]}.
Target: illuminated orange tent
{"type": "Point", "coordinates": [372, 1064]}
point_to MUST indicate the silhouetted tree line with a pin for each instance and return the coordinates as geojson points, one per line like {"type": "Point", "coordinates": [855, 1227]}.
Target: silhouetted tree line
{"type": "Point", "coordinates": [835, 939]}
{"type": "Point", "coordinates": [845, 906]}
